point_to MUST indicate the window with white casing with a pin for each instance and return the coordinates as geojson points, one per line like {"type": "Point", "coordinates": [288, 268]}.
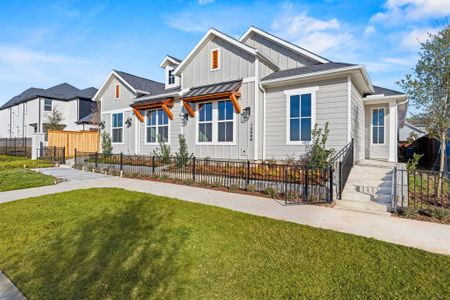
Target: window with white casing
{"type": "Point", "coordinates": [117, 128]}
{"type": "Point", "coordinates": [300, 107]}
{"type": "Point", "coordinates": [225, 121]}
{"type": "Point", "coordinates": [157, 126]}
{"type": "Point", "coordinates": [378, 126]}
{"type": "Point", "coordinates": [171, 77]}
{"type": "Point", "coordinates": [205, 122]}
{"type": "Point", "coordinates": [48, 104]}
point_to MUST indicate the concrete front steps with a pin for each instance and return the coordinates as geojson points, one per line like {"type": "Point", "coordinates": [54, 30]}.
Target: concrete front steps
{"type": "Point", "coordinates": [368, 188]}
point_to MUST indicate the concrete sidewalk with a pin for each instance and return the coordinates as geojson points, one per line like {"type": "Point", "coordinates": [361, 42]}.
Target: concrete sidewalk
{"type": "Point", "coordinates": [424, 235]}
{"type": "Point", "coordinates": [8, 291]}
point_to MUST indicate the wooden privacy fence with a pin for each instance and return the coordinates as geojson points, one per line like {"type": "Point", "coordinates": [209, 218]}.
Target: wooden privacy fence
{"type": "Point", "coordinates": [86, 141]}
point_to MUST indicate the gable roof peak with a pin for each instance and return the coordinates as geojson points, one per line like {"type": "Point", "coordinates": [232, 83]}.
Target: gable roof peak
{"type": "Point", "coordinates": [255, 30]}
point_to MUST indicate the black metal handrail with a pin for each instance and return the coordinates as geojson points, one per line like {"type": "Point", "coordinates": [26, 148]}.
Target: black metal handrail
{"type": "Point", "coordinates": [343, 163]}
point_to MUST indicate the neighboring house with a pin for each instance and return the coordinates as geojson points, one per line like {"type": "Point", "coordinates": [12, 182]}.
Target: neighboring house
{"type": "Point", "coordinates": [408, 130]}
{"type": "Point", "coordinates": [27, 113]}
{"type": "Point", "coordinates": [256, 97]}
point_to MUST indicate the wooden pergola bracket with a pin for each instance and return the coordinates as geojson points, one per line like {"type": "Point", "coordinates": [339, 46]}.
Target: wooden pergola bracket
{"type": "Point", "coordinates": [138, 115]}
{"type": "Point", "coordinates": [234, 100]}
{"type": "Point", "coordinates": [167, 110]}
{"type": "Point", "coordinates": [189, 109]}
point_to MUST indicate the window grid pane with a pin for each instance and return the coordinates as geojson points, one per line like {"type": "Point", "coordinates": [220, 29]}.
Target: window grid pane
{"type": "Point", "coordinates": [378, 126]}
{"type": "Point", "coordinates": [300, 117]}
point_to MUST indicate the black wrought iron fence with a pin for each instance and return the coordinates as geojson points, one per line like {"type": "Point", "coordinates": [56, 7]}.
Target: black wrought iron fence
{"type": "Point", "coordinates": [16, 146]}
{"type": "Point", "coordinates": [54, 155]}
{"type": "Point", "coordinates": [343, 163]}
{"type": "Point", "coordinates": [293, 183]}
{"type": "Point", "coordinates": [420, 189]}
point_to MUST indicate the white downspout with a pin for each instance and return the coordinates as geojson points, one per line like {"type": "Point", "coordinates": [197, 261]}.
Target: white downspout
{"type": "Point", "coordinates": [255, 134]}
{"type": "Point", "coordinates": [264, 122]}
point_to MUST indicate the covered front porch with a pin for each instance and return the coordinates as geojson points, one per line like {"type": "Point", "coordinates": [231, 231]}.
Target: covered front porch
{"type": "Point", "coordinates": [384, 115]}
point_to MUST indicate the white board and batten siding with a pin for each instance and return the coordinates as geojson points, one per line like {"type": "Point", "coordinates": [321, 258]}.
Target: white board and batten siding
{"type": "Point", "coordinates": [331, 107]}
{"type": "Point", "coordinates": [234, 63]}
{"type": "Point", "coordinates": [110, 105]}
{"type": "Point", "coordinates": [357, 123]}
{"type": "Point", "coordinates": [283, 57]}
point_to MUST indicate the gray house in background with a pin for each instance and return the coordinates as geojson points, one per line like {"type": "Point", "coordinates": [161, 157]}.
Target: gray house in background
{"type": "Point", "coordinates": [256, 97]}
{"type": "Point", "coordinates": [27, 113]}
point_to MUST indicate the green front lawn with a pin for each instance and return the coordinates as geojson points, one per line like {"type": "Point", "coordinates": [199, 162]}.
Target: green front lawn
{"type": "Point", "coordinates": [11, 162]}
{"type": "Point", "coordinates": [15, 179]}
{"type": "Point", "coordinates": [14, 173]}
{"type": "Point", "coordinates": [115, 244]}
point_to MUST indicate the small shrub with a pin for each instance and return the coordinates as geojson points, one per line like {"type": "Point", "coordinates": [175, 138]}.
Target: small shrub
{"type": "Point", "coordinates": [408, 212]}
{"type": "Point", "coordinates": [251, 188]}
{"type": "Point", "coordinates": [106, 143]}
{"type": "Point", "coordinates": [188, 181]}
{"type": "Point", "coordinates": [204, 183]}
{"type": "Point", "coordinates": [234, 187]}
{"type": "Point", "coordinates": [163, 151]}
{"type": "Point", "coordinates": [164, 177]}
{"type": "Point", "coordinates": [440, 214]}
{"type": "Point", "coordinates": [154, 176]}
{"type": "Point", "coordinates": [270, 191]}
{"type": "Point", "coordinates": [182, 156]}
{"type": "Point", "coordinates": [216, 184]}
{"type": "Point", "coordinates": [412, 163]}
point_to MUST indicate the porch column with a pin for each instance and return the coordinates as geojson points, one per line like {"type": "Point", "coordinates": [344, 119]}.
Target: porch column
{"type": "Point", "coordinates": [393, 131]}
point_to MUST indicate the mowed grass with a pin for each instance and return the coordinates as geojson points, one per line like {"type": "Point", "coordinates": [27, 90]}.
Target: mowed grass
{"type": "Point", "coordinates": [115, 244]}
{"type": "Point", "coordinates": [14, 173]}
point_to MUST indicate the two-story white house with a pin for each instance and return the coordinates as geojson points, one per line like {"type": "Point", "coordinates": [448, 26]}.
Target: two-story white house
{"type": "Point", "coordinates": [27, 113]}
{"type": "Point", "coordinates": [256, 97]}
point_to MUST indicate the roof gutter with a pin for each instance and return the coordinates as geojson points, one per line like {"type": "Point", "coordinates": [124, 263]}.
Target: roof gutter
{"type": "Point", "coordinates": [157, 96]}
{"type": "Point", "coordinates": [360, 68]}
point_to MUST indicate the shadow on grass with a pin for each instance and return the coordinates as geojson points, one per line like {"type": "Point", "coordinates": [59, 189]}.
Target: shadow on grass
{"type": "Point", "coordinates": [131, 252]}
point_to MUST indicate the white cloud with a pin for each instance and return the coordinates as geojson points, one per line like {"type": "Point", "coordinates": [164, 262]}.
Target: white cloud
{"type": "Point", "coordinates": [411, 39]}
{"type": "Point", "coordinates": [204, 2]}
{"type": "Point", "coordinates": [369, 30]}
{"type": "Point", "coordinates": [323, 36]}
{"type": "Point", "coordinates": [398, 11]}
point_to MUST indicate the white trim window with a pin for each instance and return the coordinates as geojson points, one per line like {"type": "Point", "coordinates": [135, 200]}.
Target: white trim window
{"type": "Point", "coordinates": [171, 77]}
{"type": "Point", "coordinates": [378, 128]}
{"type": "Point", "coordinates": [157, 127]}
{"type": "Point", "coordinates": [300, 117]}
{"type": "Point", "coordinates": [48, 103]}
{"type": "Point", "coordinates": [205, 122]}
{"type": "Point", "coordinates": [225, 122]}
{"type": "Point", "coordinates": [117, 128]}
{"type": "Point", "coordinates": [216, 123]}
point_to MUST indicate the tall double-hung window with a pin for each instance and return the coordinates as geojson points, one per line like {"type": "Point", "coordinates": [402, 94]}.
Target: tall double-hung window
{"type": "Point", "coordinates": [157, 126]}
{"type": "Point", "coordinates": [378, 126]}
{"type": "Point", "coordinates": [215, 123]}
{"type": "Point", "coordinates": [300, 115]}
{"type": "Point", "coordinates": [205, 122]}
{"type": "Point", "coordinates": [117, 128]}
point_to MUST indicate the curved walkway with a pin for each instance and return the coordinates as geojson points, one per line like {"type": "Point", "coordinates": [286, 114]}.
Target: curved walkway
{"type": "Point", "coordinates": [424, 235]}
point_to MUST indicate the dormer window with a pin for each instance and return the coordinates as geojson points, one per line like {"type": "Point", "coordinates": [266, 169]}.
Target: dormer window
{"type": "Point", "coordinates": [215, 65]}
{"type": "Point", "coordinates": [171, 77]}
{"type": "Point", "coordinates": [117, 91]}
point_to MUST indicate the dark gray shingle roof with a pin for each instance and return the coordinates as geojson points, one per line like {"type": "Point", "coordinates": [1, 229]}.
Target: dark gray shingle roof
{"type": "Point", "coordinates": [142, 84]}
{"type": "Point", "coordinates": [63, 91]}
{"type": "Point", "coordinates": [166, 94]}
{"type": "Point", "coordinates": [221, 87]}
{"type": "Point", "coordinates": [306, 70]}
{"type": "Point", "coordinates": [174, 58]}
{"type": "Point", "coordinates": [385, 91]}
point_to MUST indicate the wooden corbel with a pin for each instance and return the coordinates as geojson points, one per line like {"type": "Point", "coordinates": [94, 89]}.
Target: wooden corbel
{"type": "Point", "coordinates": [167, 110]}
{"type": "Point", "coordinates": [138, 115]}
{"type": "Point", "coordinates": [189, 108]}
{"type": "Point", "coordinates": [234, 100]}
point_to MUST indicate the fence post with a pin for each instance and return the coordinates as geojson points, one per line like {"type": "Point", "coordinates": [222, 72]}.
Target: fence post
{"type": "Point", "coordinates": [306, 182]}
{"type": "Point", "coordinates": [15, 147]}
{"type": "Point", "coordinates": [75, 155]}
{"type": "Point", "coordinates": [394, 197]}
{"type": "Point", "coordinates": [64, 155]}
{"type": "Point", "coordinates": [153, 164]}
{"type": "Point", "coordinates": [193, 169]}
{"type": "Point", "coordinates": [54, 153]}
{"type": "Point", "coordinates": [121, 161]}
{"type": "Point", "coordinates": [248, 173]}
{"type": "Point", "coordinates": [331, 184]}
{"type": "Point", "coordinates": [96, 159]}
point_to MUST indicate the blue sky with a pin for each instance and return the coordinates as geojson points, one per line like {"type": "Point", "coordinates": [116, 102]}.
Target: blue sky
{"type": "Point", "coordinates": [43, 43]}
